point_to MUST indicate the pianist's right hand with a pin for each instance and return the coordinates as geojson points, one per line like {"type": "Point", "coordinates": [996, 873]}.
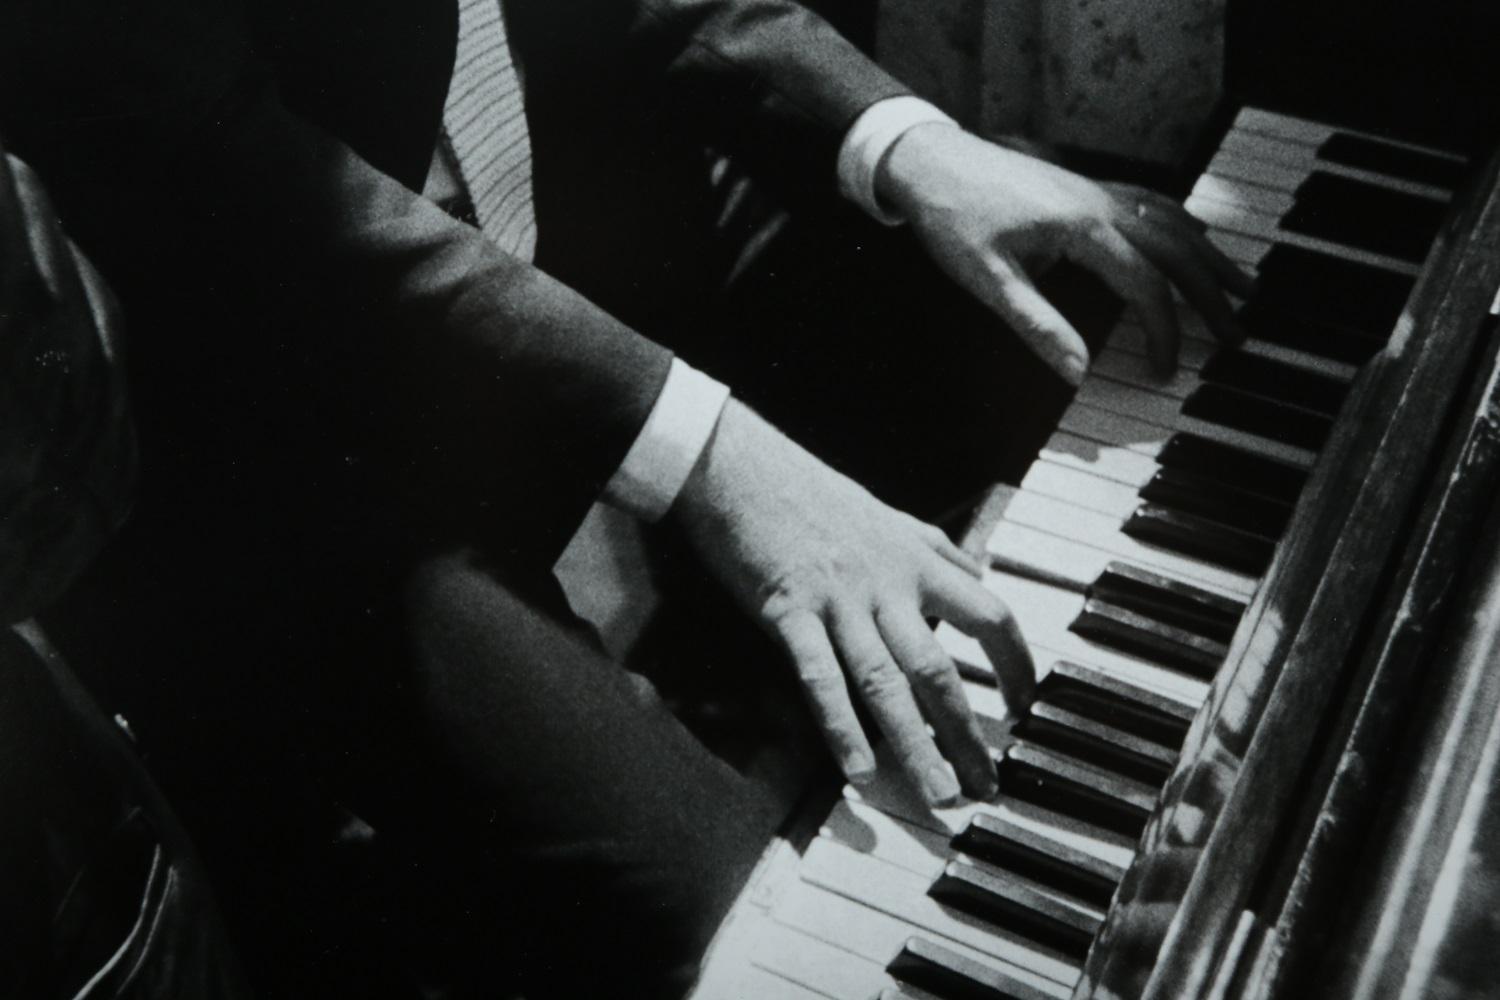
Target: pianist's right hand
{"type": "Point", "coordinates": [845, 584]}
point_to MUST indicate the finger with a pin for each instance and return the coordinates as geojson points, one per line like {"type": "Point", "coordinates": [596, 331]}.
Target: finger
{"type": "Point", "coordinates": [976, 612]}
{"type": "Point", "coordinates": [1159, 210]}
{"type": "Point", "coordinates": [49, 254]}
{"type": "Point", "coordinates": [940, 694]}
{"type": "Point", "coordinates": [1190, 273]}
{"type": "Point", "coordinates": [15, 249]}
{"type": "Point", "coordinates": [806, 642]}
{"type": "Point", "coordinates": [887, 695]}
{"type": "Point", "coordinates": [944, 546]}
{"type": "Point", "coordinates": [1010, 293]}
{"type": "Point", "coordinates": [1103, 250]}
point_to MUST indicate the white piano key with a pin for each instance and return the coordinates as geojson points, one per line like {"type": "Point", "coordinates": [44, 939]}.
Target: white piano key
{"type": "Point", "coordinates": [863, 828]}
{"type": "Point", "coordinates": [1243, 250]}
{"type": "Point", "coordinates": [1107, 461]}
{"type": "Point", "coordinates": [1224, 194]}
{"type": "Point", "coordinates": [832, 866]}
{"type": "Point", "coordinates": [1011, 545]}
{"type": "Point", "coordinates": [896, 798]}
{"type": "Point", "coordinates": [1091, 492]}
{"type": "Point", "coordinates": [1192, 352]}
{"type": "Point", "coordinates": [878, 935]}
{"type": "Point", "coordinates": [1045, 614]}
{"type": "Point", "coordinates": [1254, 227]}
{"type": "Point", "coordinates": [1135, 369]}
{"type": "Point", "coordinates": [816, 965]}
{"type": "Point", "coordinates": [1113, 427]}
{"type": "Point", "coordinates": [1150, 407]}
{"type": "Point", "coordinates": [1304, 160]}
{"type": "Point", "coordinates": [1315, 133]}
{"type": "Point", "coordinates": [744, 980]}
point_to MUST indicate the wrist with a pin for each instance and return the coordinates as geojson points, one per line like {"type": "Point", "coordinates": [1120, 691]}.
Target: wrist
{"type": "Point", "coordinates": [909, 161]}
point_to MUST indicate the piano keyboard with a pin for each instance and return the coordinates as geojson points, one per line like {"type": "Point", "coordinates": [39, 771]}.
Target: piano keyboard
{"type": "Point", "coordinates": [1128, 553]}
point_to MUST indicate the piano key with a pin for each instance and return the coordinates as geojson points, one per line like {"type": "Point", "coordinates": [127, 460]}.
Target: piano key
{"type": "Point", "coordinates": [1246, 251]}
{"type": "Point", "coordinates": [1028, 910]}
{"type": "Point", "coordinates": [788, 953]}
{"type": "Point", "coordinates": [1276, 380]}
{"type": "Point", "coordinates": [1393, 160]}
{"type": "Point", "coordinates": [1144, 406]}
{"type": "Point", "coordinates": [1129, 631]}
{"type": "Point", "coordinates": [1105, 461]}
{"type": "Point", "coordinates": [834, 867]}
{"type": "Point", "coordinates": [1314, 133]}
{"type": "Point", "coordinates": [1232, 466]}
{"type": "Point", "coordinates": [1257, 226]}
{"type": "Point", "coordinates": [1373, 218]}
{"type": "Point", "coordinates": [743, 979]}
{"type": "Point", "coordinates": [889, 795]}
{"type": "Point", "coordinates": [1213, 195]}
{"type": "Point", "coordinates": [1176, 602]}
{"type": "Point", "coordinates": [1227, 408]}
{"type": "Point", "coordinates": [1299, 159]}
{"type": "Point", "coordinates": [1330, 290]}
{"type": "Point", "coordinates": [1039, 857]}
{"type": "Point", "coordinates": [1095, 742]}
{"type": "Point", "coordinates": [1071, 787]}
{"type": "Point", "coordinates": [863, 828]}
{"type": "Point", "coordinates": [1343, 345]}
{"type": "Point", "coordinates": [1085, 489]}
{"type": "Point", "coordinates": [1134, 369]}
{"type": "Point", "coordinates": [1201, 538]}
{"type": "Point", "coordinates": [1128, 338]}
{"type": "Point", "coordinates": [907, 992]}
{"type": "Point", "coordinates": [928, 965]}
{"type": "Point", "coordinates": [1215, 500]}
{"type": "Point", "coordinates": [1096, 695]}
{"type": "Point", "coordinates": [1051, 642]}
{"type": "Point", "coordinates": [1010, 545]}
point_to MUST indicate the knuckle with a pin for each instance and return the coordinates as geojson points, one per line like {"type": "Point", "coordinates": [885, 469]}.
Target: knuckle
{"type": "Point", "coordinates": [878, 681]}
{"type": "Point", "coordinates": [930, 668]}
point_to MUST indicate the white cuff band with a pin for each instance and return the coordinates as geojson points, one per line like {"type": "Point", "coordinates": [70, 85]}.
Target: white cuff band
{"type": "Point", "coordinates": [869, 139]}
{"type": "Point", "coordinates": [668, 446]}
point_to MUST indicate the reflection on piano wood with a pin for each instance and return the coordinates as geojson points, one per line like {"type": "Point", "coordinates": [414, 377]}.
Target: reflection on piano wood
{"type": "Point", "coordinates": [1203, 567]}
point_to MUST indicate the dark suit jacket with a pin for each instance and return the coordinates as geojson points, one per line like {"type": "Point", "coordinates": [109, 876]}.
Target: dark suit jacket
{"type": "Point", "coordinates": [246, 178]}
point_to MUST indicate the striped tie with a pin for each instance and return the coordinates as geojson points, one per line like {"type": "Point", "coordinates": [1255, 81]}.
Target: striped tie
{"type": "Point", "coordinates": [484, 125]}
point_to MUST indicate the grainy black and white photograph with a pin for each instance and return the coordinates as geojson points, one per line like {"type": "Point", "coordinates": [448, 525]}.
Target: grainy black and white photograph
{"type": "Point", "coordinates": [749, 499]}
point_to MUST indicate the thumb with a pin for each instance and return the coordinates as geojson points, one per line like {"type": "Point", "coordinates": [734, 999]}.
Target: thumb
{"type": "Point", "coordinates": [1040, 326]}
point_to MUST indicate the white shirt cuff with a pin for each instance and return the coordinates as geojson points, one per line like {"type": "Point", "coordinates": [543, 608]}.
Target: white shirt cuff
{"type": "Point", "coordinates": [871, 136]}
{"type": "Point", "coordinates": [668, 446]}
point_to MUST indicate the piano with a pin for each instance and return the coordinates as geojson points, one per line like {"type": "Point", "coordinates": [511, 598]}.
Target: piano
{"type": "Point", "coordinates": [1263, 597]}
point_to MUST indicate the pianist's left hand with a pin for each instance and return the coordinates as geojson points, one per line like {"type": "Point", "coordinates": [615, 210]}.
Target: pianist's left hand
{"type": "Point", "coordinates": [993, 218]}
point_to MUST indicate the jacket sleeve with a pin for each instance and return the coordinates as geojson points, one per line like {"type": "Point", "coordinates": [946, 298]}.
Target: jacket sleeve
{"type": "Point", "coordinates": [175, 164]}
{"type": "Point", "coordinates": [766, 79]}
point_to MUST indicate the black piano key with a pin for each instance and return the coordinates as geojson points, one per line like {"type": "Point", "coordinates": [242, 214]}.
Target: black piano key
{"type": "Point", "coordinates": [1074, 788]}
{"type": "Point", "coordinates": [1175, 602]}
{"type": "Point", "coordinates": [1096, 743]}
{"type": "Point", "coordinates": [1277, 326]}
{"type": "Point", "coordinates": [1039, 858]}
{"type": "Point", "coordinates": [1194, 494]}
{"type": "Point", "coordinates": [1200, 538]}
{"type": "Point", "coordinates": [1393, 161]}
{"type": "Point", "coordinates": [1367, 216]}
{"type": "Point", "coordinates": [1233, 466]}
{"type": "Point", "coordinates": [1110, 700]}
{"type": "Point", "coordinates": [1257, 415]}
{"type": "Point", "coordinates": [1276, 380]}
{"type": "Point", "coordinates": [1116, 627]}
{"type": "Point", "coordinates": [929, 966]}
{"type": "Point", "coordinates": [1329, 290]}
{"type": "Point", "coordinates": [1009, 902]}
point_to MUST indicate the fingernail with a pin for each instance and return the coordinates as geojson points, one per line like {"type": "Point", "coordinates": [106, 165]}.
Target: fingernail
{"type": "Point", "coordinates": [989, 787]}
{"type": "Point", "coordinates": [941, 787]}
{"type": "Point", "coordinates": [1074, 368]}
